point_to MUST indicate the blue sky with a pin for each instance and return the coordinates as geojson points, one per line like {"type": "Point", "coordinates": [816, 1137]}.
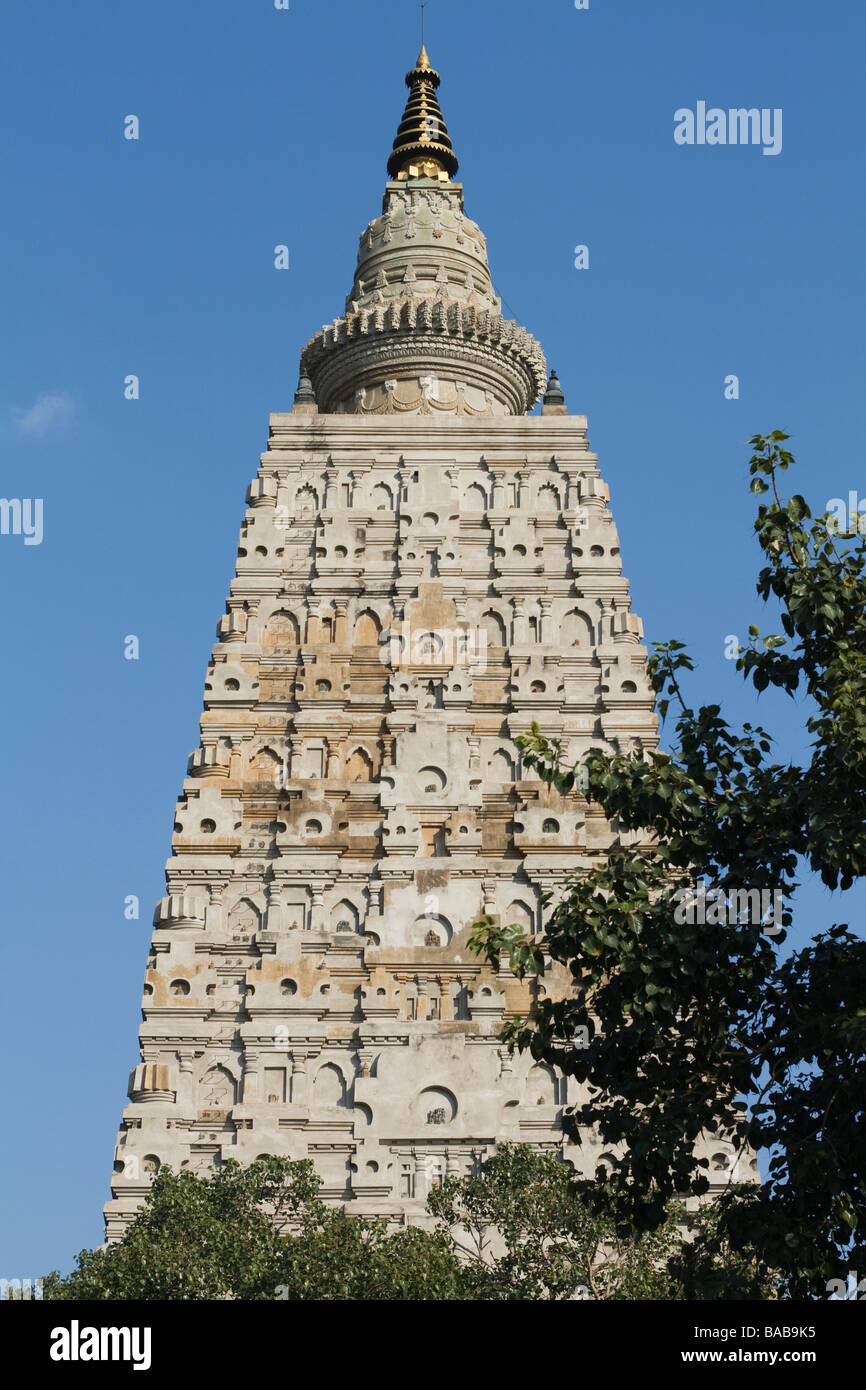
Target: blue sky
{"type": "Point", "coordinates": [155, 257]}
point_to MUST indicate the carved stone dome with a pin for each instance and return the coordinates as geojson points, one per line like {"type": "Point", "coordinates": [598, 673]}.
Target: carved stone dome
{"type": "Point", "coordinates": [423, 330]}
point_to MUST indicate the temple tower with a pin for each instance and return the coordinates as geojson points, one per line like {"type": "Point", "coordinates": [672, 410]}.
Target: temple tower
{"type": "Point", "coordinates": [424, 569]}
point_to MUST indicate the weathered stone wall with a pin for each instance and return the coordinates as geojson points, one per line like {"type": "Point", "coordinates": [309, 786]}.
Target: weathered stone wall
{"type": "Point", "coordinates": [409, 596]}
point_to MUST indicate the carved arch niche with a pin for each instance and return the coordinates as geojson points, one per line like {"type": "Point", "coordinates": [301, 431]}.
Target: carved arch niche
{"type": "Point", "coordinates": [431, 929]}
{"type": "Point", "coordinates": [502, 767]}
{"type": "Point", "coordinates": [217, 1089]}
{"type": "Point", "coordinates": [345, 917]}
{"type": "Point", "coordinates": [306, 501]}
{"type": "Point", "coordinates": [576, 630]}
{"type": "Point", "coordinates": [542, 1086]}
{"type": "Point", "coordinates": [382, 498]}
{"type": "Point", "coordinates": [494, 627]}
{"type": "Point", "coordinates": [475, 498]}
{"type": "Point", "coordinates": [282, 634]}
{"type": "Point", "coordinates": [244, 918]}
{"type": "Point", "coordinates": [329, 1087]}
{"type": "Point", "coordinates": [359, 766]}
{"type": "Point", "coordinates": [521, 913]}
{"type": "Point", "coordinates": [367, 629]}
{"type": "Point", "coordinates": [548, 498]}
{"type": "Point", "coordinates": [264, 767]}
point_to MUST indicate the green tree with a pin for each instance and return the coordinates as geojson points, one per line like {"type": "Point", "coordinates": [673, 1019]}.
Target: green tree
{"type": "Point", "coordinates": [685, 1021]}
{"type": "Point", "coordinates": [525, 1228]}
{"type": "Point", "coordinates": [257, 1233]}
{"type": "Point", "coordinates": [526, 1231]}
{"type": "Point", "coordinates": [212, 1237]}
{"type": "Point", "coordinates": [339, 1257]}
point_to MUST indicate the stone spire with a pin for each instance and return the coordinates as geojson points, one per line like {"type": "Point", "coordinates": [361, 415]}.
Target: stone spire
{"type": "Point", "coordinates": [423, 570]}
{"type": "Point", "coordinates": [423, 330]}
{"type": "Point", "coordinates": [422, 148]}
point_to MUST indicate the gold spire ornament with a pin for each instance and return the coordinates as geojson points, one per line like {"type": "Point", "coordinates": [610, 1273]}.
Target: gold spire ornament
{"type": "Point", "coordinates": [422, 149]}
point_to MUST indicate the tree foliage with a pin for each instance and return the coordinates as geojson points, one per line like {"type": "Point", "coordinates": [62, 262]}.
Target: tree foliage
{"type": "Point", "coordinates": [687, 1021]}
{"type": "Point", "coordinates": [258, 1233]}
{"type": "Point", "coordinates": [524, 1228]}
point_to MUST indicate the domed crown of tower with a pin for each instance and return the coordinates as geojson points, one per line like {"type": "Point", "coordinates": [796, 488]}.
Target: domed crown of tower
{"type": "Point", "coordinates": [423, 330]}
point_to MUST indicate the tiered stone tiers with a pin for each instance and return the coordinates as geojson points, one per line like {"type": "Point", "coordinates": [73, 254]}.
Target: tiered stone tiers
{"type": "Point", "coordinates": [410, 594]}
{"type": "Point", "coordinates": [423, 570]}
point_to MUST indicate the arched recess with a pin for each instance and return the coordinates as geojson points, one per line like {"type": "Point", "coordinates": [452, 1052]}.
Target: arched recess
{"type": "Point", "coordinates": [367, 629]}
{"type": "Point", "coordinates": [542, 1086]}
{"type": "Point", "coordinates": [264, 764]}
{"type": "Point", "coordinates": [431, 780]}
{"type": "Point", "coordinates": [494, 627]}
{"type": "Point", "coordinates": [548, 499]}
{"type": "Point", "coordinates": [281, 633]}
{"type": "Point", "coordinates": [359, 766]}
{"type": "Point", "coordinates": [427, 647]}
{"type": "Point", "coordinates": [430, 925]}
{"type": "Point", "coordinates": [520, 912]}
{"type": "Point", "coordinates": [306, 500]}
{"type": "Point", "coordinates": [475, 499]}
{"type": "Point", "coordinates": [344, 917]}
{"type": "Point", "coordinates": [501, 767]}
{"type": "Point", "coordinates": [217, 1089]}
{"type": "Point", "coordinates": [329, 1086]}
{"type": "Point", "coordinates": [438, 1105]}
{"type": "Point", "coordinates": [244, 916]}
{"type": "Point", "coordinates": [382, 498]}
{"type": "Point", "coordinates": [576, 630]}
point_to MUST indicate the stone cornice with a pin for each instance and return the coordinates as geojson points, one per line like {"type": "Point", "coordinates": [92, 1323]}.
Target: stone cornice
{"type": "Point", "coordinates": [409, 337]}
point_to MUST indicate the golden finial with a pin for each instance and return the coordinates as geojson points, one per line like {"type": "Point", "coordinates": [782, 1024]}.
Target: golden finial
{"type": "Point", "coordinates": [422, 149]}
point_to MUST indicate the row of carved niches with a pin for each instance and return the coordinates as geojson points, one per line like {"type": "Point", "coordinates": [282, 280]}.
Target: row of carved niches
{"type": "Point", "coordinates": [478, 486]}
{"type": "Point", "coordinates": [246, 924]}
{"type": "Point", "coordinates": [318, 1081]}
{"type": "Point", "coordinates": [501, 495]}
{"type": "Point", "coordinates": [397, 767]}
{"type": "Point", "coordinates": [460, 633]}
